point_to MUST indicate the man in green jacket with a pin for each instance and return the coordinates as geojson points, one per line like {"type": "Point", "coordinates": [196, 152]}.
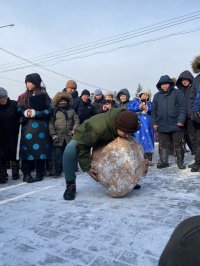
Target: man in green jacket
{"type": "Point", "coordinates": [98, 130]}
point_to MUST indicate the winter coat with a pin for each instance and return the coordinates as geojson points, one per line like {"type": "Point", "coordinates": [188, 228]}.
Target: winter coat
{"type": "Point", "coordinates": [97, 104]}
{"type": "Point", "coordinates": [145, 135]}
{"type": "Point", "coordinates": [123, 105]}
{"type": "Point", "coordinates": [182, 248]}
{"type": "Point", "coordinates": [95, 131]}
{"type": "Point", "coordinates": [168, 107]}
{"type": "Point", "coordinates": [186, 91]}
{"type": "Point", "coordinates": [194, 104]}
{"type": "Point", "coordinates": [63, 122]}
{"type": "Point", "coordinates": [35, 140]}
{"type": "Point", "coordinates": [84, 110]}
{"type": "Point", "coordinates": [9, 128]}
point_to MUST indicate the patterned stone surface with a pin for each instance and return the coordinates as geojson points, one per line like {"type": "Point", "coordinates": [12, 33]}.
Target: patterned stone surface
{"type": "Point", "coordinates": [120, 165]}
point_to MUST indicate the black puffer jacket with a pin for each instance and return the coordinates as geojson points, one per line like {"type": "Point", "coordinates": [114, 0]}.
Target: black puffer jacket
{"type": "Point", "coordinates": [168, 107]}
{"type": "Point", "coordinates": [84, 110]}
{"type": "Point", "coordinates": [9, 128]}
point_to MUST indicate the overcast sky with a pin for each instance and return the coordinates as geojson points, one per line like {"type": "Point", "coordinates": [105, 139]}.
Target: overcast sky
{"type": "Point", "coordinates": [47, 27]}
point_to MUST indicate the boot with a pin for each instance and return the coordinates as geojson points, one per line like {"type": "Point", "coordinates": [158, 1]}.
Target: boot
{"type": "Point", "coordinates": [148, 156]}
{"type": "Point", "coordinates": [39, 177]}
{"type": "Point", "coordinates": [164, 154]}
{"type": "Point", "coordinates": [180, 158]}
{"type": "Point", "coordinates": [28, 178]}
{"type": "Point", "coordinates": [15, 170]}
{"type": "Point", "coordinates": [3, 178]}
{"type": "Point", "coordinates": [4, 170]}
{"type": "Point", "coordinates": [70, 191]}
{"type": "Point", "coordinates": [195, 167]}
{"type": "Point", "coordinates": [191, 165]}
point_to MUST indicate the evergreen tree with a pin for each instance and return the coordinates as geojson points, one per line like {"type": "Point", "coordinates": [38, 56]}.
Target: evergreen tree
{"type": "Point", "coordinates": [139, 89]}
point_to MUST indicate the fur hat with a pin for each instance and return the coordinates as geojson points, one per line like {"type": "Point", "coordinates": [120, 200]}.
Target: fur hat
{"type": "Point", "coordinates": [98, 92]}
{"type": "Point", "coordinates": [3, 92]}
{"type": "Point", "coordinates": [145, 91]}
{"type": "Point", "coordinates": [34, 78]}
{"type": "Point", "coordinates": [62, 95]}
{"type": "Point", "coordinates": [71, 84]}
{"type": "Point", "coordinates": [127, 122]}
{"type": "Point", "coordinates": [85, 92]}
{"type": "Point", "coordinates": [196, 64]}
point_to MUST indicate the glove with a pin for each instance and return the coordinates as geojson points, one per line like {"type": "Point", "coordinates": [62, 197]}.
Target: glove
{"type": "Point", "coordinates": [29, 113]}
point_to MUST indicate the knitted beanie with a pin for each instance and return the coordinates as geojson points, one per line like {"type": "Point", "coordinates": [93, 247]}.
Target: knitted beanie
{"type": "Point", "coordinates": [98, 92]}
{"type": "Point", "coordinates": [71, 84]}
{"type": "Point", "coordinates": [109, 93]}
{"type": "Point", "coordinates": [34, 78]}
{"type": "Point", "coordinates": [127, 122]}
{"type": "Point", "coordinates": [85, 92]}
{"type": "Point", "coordinates": [3, 92]}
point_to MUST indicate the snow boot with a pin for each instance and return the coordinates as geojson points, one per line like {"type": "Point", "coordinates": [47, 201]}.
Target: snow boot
{"type": "Point", "coordinates": [3, 178]}
{"type": "Point", "coordinates": [39, 177]}
{"type": "Point", "coordinates": [137, 186]}
{"type": "Point", "coordinates": [70, 191]}
{"type": "Point", "coordinates": [191, 165]}
{"type": "Point", "coordinates": [195, 167]}
{"type": "Point", "coordinates": [164, 154]}
{"type": "Point", "coordinates": [28, 178]}
{"type": "Point", "coordinates": [15, 170]}
{"type": "Point", "coordinates": [180, 158]}
{"type": "Point", "coordinates": [148, 156]}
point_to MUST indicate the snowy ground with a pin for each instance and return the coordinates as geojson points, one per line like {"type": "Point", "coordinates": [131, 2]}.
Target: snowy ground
{"type": "Point", "coordinates": [37, 227]}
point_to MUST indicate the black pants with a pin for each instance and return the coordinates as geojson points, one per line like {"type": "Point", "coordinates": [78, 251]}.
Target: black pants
{"type": "Point", "coordinates": [197, 142]}
{"type": "Point", "coordinates": [176, 137]}
{"type": "Point", "coordinates": [58, 158]}
{"type": "Point", "coordinates": [28, 166]}
{"type": "Point", "coordinates": [190, 135]}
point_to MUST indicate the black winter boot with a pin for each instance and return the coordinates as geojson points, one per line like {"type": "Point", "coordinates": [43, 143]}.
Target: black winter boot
{"type": "Point", "coordinates": [180, 158]}
{"type": "Point", "coordinates": [148, 156]}
{"type": "Point", "coordinates": [28, 178]}
{"type": "Point", "coordinates": [3, 178]}
{"type": "Point", "coordinates": [164, 154]}
{"type": "Point", "coordinates": [15, 170]}
{"type": "Point", "coordinates": [195, 167]}
{"type": "Point", "coordinates": [191, 165]}
{"type": "Point", "coordinates": [39, 177]}
{"type": "Point", "coordinates": [70, 191]}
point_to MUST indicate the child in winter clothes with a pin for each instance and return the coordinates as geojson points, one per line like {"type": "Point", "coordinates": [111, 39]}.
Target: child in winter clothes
{"type": "Point", "coordinates": [145, 135]}
{"type": "Point", "coordinates": [62, 125]}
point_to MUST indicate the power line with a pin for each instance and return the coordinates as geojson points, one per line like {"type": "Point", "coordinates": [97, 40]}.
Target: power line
{"type": "Point", "coordinates": [132, 45]}
{"type": "Point", "coordinates": [49, 70]}
{"type": "Point", "coordinates": [10, 25]}
{"type": "Point", "coordinates": [99, 44]}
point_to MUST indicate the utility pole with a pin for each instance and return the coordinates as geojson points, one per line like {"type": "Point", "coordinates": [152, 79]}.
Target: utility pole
{"type": "Point", "coordinates": [10, 25]}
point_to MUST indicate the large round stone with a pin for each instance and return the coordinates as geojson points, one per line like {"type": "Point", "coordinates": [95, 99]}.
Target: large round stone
{"type": "Point", "coordinates": [120, 165]}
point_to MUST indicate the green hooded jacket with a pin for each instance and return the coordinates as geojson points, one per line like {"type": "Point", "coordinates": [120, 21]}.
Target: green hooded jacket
{"type": "Point", "coordinates": [96, 131]}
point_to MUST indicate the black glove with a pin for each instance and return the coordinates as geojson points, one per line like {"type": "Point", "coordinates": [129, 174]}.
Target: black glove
{"type": "Point", "coordinates": [22, 120]}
